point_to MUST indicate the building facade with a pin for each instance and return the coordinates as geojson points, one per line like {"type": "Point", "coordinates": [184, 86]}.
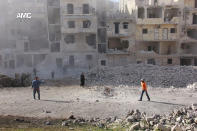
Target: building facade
{"type": "Point", "coordinates": [163, 31]}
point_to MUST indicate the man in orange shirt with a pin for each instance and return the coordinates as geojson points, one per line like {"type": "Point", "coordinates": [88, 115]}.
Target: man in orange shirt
{"type": "Point", "coordinates": [144, 89]}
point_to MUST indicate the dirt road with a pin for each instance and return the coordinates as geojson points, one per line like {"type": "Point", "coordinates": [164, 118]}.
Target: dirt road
{"type": "Point", "coordinates": [60, 102]}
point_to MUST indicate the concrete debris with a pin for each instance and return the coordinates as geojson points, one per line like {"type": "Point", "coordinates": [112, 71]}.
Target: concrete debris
{"type": "Point", "coordinates": [155, 76]}
{"type": "Point", "coordinates": [135, 127]}
{"type": "Point", "coordinates": [136, 120]}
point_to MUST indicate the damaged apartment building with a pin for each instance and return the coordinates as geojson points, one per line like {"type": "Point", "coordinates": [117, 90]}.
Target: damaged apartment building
{"type": "Point", "coordinates": [117, 37]}
{"type": "Point", "coordinates": [60, 37]}
{"type": "Point", "coordinates": [64, 36]}
{"type": "Point", "coordinates": [26, 39]}
{"type": "Point", "coordinates": [71, 36]}
{"type": "Point", "coordinates": [166, 32]}
{"type": "Point", "coordinates": [120, 39]}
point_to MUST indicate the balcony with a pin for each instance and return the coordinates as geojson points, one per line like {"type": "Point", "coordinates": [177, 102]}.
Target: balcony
{"type": "Point", "coordinates": [150, 21]}
{"type": "Point", "coordinates": [79, 30]}
{"type": "Point", "coordinates": [78, 12]}
{"type": "Point", "coordinates": [117, 52]}
{"type": "Point", "coordinates": [79, 16]}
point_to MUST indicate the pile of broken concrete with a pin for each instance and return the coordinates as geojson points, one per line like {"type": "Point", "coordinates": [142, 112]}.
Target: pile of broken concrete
{"type": "Point", "coordinates": [183, 119]}
{"type": "Point", "coordinates": [155, 76]}
{"type": "Point", "coordinates": [179, 120]}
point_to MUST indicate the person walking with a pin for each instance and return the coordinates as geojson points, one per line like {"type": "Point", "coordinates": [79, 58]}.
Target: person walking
{"type": "Point", "coordinates": [82, 78]}
{"type": "Point", "coordinates": [144, 89]}
{"type": "Point", "coordinates": [36, 87]}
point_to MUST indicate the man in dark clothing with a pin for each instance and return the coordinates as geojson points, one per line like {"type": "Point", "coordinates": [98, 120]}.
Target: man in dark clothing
{"type": "Point", "coordinates": [52, 74]}
{"type": "Point", "coordinates": [82, 78]}
{"type": "Point", "coordinates": [36, 87]}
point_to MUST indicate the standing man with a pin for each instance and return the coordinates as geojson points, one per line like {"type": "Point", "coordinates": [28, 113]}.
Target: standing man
{"type": "Point", "coordinates": [144, 89]}
{"type": "Point", "coordinates": [82, 78]}
{"type": "Point", "coordinates": [36, 87]}
{"type": "Point", "coordinates": [52, 74]}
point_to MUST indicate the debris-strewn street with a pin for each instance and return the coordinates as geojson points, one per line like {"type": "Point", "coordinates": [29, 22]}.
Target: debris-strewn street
{"type": "Point", "coordinates": [91, 103]}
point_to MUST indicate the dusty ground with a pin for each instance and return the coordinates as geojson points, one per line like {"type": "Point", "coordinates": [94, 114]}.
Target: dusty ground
{"type": "Point", "coordinates": [60, 102]}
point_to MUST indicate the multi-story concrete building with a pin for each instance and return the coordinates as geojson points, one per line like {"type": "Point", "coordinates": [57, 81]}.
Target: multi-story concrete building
{"type": "Point", "coordinates": [26, 38]}
{"type": "Point", "coordinates": [71, 36]}
{"type": "Point", "coordinates": [188, 37]}
{"type": "Point", "coordinates": [159, 32]}
{"type": "Point", "coordinates": [121, 39]}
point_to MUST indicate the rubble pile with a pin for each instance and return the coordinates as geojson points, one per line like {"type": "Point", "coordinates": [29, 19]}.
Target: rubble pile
{"type": "Point", "coordinates": [155, 76]}
{"type": "Point", "coordinates": [22, 80]}
{"type": "Point", "coordinates": [179, 120]}
{"type": "Point", "coordinates": [183, 119]}
{"type": "Point", "coordinates": [192, 86]}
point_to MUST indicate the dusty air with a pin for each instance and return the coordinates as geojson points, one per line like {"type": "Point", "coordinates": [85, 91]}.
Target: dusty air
{"type": "Point", "coordinates": [98, 65]}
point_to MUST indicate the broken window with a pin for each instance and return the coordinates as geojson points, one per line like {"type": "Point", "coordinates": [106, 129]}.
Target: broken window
{"type": "Point", "coordinates": [55, 47]}
{"type": "Point", "coordinates": [125, 44]}
{"type": "Point", "coordinates": [59, 62]}
{"type": "Point", "coordinates": [101, 48]}
{"type": "Point", "coordinates": [192, 33]}
{"type": "Point", "coordinates": [141, 12]}
{"type": "Point", "coordinates": [169, 61]}
{"type": "Point", "coordinates": [86, 9]}
{"type": "Point", "coordinates": [89, 57]}
{"type": "Point", "coordinates": [151, 61]}
{"type": "Point", "coordinates": [170, 13]}
{"type": "Point", "coordinates": [71, 24]}
{"type": "Point", "coordinates": [116, 24]}
{"type": "Point", "coordinates": [69, 39]}
{"type": "Point", "coordinates": [125, 25]}
{"type": "Point", "coordinates": [114, 43]}
{"type": "Point", "coordinates": [70, 9]}
{"type": "Point", "coordinates": [86, 24]}
{"type": "Point", "coordinates": [103, 62]}
{"type": "Point", "coordinates": [154, 12]}
{"type": "Point", "coordinates": [102, 35]}
{"type": "Point", "coordinates": [91, 40]}
{"type": "Point", "coordinates": [172, 30]}
{"type": "Point", "coordinates": [139, 62]}
{"type": "Point", "coordinates": [144, 31]}
{"type": "Point", "coordinates": [186, 61]}
{"type": "Point", "coordinates": [71, 60]}
{"type": "Point", "coordinates": [194, 19]}
{"type": "Point", "coordinates": [149, 48]}
{"type": "Point", "coordinates": [117, 44]}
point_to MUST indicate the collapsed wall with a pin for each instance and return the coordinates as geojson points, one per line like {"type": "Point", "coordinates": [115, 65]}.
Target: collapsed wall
{"type": "Point", "coordinates": [155, 76]}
